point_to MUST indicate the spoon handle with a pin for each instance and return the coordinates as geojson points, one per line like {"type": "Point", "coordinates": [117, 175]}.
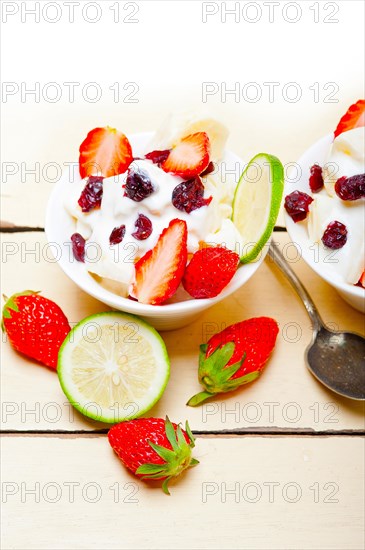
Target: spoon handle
{"type": "Point", "coordinates": [278, 258]}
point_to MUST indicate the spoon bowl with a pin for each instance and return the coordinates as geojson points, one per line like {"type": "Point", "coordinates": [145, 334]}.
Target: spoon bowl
{"type": "Point", "coordinates": [336, 359]}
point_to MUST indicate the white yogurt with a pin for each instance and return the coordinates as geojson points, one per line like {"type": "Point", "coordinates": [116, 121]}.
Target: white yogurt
{"type": "Point", "coordinates": [209, 223]}
{"type": "Point", "coordinates": [346, 158]}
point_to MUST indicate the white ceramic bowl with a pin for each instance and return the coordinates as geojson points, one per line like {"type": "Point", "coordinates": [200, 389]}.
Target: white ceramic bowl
{"type": "Point", "coordinates": [60, 226]}
{"type": "Point", "coordinates": [353, 295]}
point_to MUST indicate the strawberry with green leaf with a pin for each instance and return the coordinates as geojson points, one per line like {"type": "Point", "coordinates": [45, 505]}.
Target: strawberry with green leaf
{"type": "Point", "coordinates": [153, 448]}
{"type": "Point", "coordinates": [35, 326]}
{"type": "Point", "coordinates": [234, 357]}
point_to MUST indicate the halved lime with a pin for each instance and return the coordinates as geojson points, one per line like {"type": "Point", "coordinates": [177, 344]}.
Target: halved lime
{"type": "Point", "coordinates": [113, 367]}
{"type": "Point", "coordinates": [256, 203]}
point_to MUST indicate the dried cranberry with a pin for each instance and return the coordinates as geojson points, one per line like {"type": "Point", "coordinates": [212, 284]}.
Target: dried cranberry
{"type": "Point", "coordinates": [78, 247]}
{"type": "Point", "coordinates": [189, 195]}
{"type": "Point", "coordinates": [117, 235]}
{"type": "Point", "coordinates": [158, 157]}
{"type": "Point", "coordinates": [92, 194]}
{"type": "Point", "coordinates": [315, 178]}
{"type": "Point", "coordinates": [143, 227]}
{"type": "Point", "coordinates": [209, 169]}
{"type": "Point", "coordinates": [297, 205]}
{"type": "Point", "coordinates": [138, 185]}
{"type": "Point", "coordinates": [335, 235]}
{"type": "Point", "coordinates": [351, 189]}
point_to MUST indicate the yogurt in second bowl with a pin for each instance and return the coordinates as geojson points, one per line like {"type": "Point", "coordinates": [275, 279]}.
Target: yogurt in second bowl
{"type": "Point", "coordinates": [325, 210]}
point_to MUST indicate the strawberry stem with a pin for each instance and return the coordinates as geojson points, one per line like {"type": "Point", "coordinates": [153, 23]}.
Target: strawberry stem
{"type": "Point", "coordinates": [199, 398]}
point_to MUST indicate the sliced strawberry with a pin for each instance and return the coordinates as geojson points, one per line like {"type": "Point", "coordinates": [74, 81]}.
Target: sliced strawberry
{"type": "Point", "coordinates": [159, 272]}
{"type": "Point", "coordinates": [362, 279]}
{"type": "Point", "coordinates": [105, 152]}
{"type": "Point", "coordinates": [353, 118]}
{"type": "Point", "coordinates": [190, 157]}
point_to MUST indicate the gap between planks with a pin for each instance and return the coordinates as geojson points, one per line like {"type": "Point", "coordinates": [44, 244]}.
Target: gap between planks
{"type": "Point", "coordinates": [7, 228]}
{"type": "Point", "coordinates": [224, 434]}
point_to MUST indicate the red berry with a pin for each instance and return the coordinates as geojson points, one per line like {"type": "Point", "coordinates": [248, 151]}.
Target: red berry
{"type": "Point", "coordinates": [209, 272]}
{"type": "Point", "coordinates": [235, 356]}
{"type": "Point", "coordinates": [315, 178]}
{"type": "Point", "coordinates": [35, 326]}
{"type": "Point", "coordinates": [117, 235]}
{"type": "Point", "coordinates": [158, 157]}
{"type": "Point", "coordinates": [138, 185]}
{"type": "Point", "coordinates": [256, 337]}
{"type": "Point", "coordinates": [143, 227]}
{"type": "Point", "coordinates": [105, 151]}
{"type": "Point", "coordinates": [189, 195]}
{"type": "Point", "coordinates": [335, 235]}
{"type": "Point", "coordinates": [351, 189]}
{"type": "Point", "coordinates": [78, 246]}
{"type": "Point", "coordinates": [153, 448]}
{"type": "Point", "coordinates": [92, 194]}
{"type": "Point", "coordinates": [209, 169]}
{"type": "Point", "coordinates": [297, 205]}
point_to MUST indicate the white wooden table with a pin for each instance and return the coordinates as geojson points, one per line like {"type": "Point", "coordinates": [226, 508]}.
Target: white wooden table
{"type": "Point", "coordinates": [281, 461]}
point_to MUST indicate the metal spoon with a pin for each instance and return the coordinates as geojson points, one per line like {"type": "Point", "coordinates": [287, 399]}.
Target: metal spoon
{"type": "Point", "coordinates": [336, 359]}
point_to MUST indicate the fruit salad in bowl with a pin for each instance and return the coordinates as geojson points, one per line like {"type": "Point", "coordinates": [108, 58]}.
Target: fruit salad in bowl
{"type": "Point", "coordinates": [159, 224]}
{"type": "Point", "coordinates": [325, 210]}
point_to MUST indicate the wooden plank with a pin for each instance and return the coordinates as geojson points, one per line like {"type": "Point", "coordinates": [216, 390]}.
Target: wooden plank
{"type": "Point", "coordinates": [250, 493]}
{"type": "Point", "coordinates": [286, 396]}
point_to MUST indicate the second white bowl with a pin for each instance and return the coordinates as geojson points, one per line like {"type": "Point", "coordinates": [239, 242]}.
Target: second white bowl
{"type": "Point", "coordinates": [317, 153]}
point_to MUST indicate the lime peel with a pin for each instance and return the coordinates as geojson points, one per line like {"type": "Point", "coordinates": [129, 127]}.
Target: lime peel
{"type": "Point", "coordinates": [113, 367]}
{"type": "Point", "coordinates": [256, 204]}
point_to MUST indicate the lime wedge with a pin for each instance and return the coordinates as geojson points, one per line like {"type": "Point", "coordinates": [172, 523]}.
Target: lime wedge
{"type": "Point", "coordinates": [113, 367]}
{"type": "Point", "coordinates": [256, 203]}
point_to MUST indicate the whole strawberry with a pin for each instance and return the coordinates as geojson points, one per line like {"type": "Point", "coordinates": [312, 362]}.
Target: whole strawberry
{"type": "Point", "coordinates": [35, 326]}
{"type": "Point", "coordinates": [209, 272]}
{"type": "Point", "coordinates": [153, 448]}
{"type": "Point", "coordinates": [235, 356]}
